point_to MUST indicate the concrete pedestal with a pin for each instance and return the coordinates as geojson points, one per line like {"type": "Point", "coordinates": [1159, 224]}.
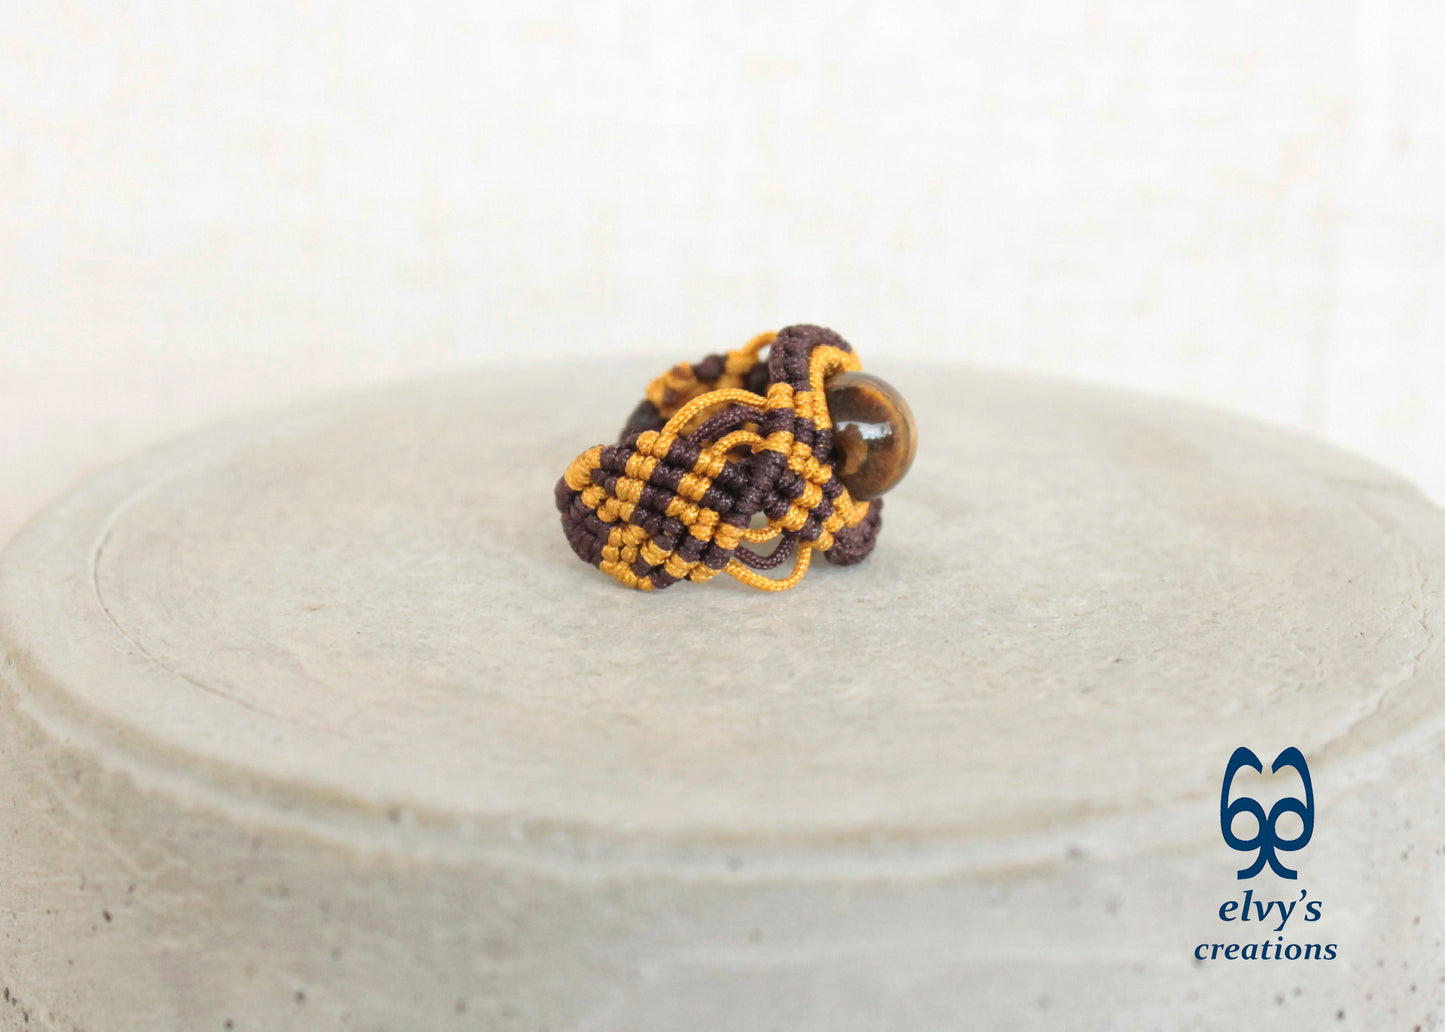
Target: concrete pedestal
{"type": "Point", "coordinates": [315, 719]}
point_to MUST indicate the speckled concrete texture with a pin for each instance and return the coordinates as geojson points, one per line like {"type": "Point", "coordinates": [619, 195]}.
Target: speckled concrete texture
{"type": "Point", "coordinates": [314, 717]}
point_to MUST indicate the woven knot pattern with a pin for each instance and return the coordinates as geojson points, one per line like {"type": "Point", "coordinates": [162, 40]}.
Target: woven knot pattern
{"type": "Point", "coordinates": [713, 445]}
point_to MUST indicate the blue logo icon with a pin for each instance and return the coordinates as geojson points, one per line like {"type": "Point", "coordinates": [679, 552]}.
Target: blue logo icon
{"type": "Point", "coordinates": [1266, 839]}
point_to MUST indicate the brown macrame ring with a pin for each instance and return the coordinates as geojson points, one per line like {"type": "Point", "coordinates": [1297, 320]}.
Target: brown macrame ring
{"type": "Point", "coordinates": [713, 445]}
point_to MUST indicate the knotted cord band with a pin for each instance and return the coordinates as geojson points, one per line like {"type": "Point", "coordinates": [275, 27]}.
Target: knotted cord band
{"type": "Point", "coordinates": [713, 445]}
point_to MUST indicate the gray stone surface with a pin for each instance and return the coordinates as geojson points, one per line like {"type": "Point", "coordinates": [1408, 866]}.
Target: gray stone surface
{"type": "Point", "coordinates": [315, 715]}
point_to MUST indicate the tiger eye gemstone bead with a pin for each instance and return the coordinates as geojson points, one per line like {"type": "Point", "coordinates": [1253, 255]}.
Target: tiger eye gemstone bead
{"type": "Point", "coordinates": [873, 434]}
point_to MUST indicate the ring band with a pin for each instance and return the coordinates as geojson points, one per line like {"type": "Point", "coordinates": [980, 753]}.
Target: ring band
{"type": "Point", "coordinates": [733, 440]}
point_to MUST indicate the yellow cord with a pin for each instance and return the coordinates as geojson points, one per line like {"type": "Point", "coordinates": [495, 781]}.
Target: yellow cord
{"type": "Point", "coordinates": [680, 397]}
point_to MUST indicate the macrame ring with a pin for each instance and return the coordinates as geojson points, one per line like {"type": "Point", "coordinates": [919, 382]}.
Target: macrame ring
{"type": "Point", "coordinates": [712, 446]}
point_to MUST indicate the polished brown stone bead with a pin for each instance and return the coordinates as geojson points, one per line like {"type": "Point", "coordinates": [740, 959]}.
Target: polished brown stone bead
{"type": "Point", "coordinates": [873, 434]}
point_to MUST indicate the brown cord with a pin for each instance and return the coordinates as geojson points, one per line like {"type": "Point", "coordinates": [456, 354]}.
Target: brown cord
{"type": "Point", "coordinates": [712, 446]}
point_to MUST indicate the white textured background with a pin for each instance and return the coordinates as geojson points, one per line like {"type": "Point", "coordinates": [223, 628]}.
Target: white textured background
{"type": "Point", "coordinates": [208, 205]}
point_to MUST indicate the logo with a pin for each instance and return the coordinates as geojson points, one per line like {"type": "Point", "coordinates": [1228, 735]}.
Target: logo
{"type": "Point", "coordinates": [1266, 838]}
{"type": "Point", "coordinates": [1267, 921]}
